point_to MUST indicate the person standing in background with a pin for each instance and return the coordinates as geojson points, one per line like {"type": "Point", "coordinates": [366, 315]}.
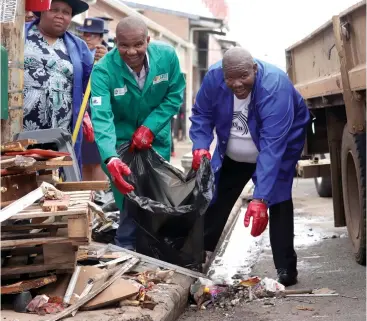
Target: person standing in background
{"type": "Point", "coordinates": [108, 40]}
{"type": "Point", "coordinates": [30, 16]}
{"type": "Point", "coordinates": [57, 66]}
{"type": "Point", "coordinates": [93, 31]}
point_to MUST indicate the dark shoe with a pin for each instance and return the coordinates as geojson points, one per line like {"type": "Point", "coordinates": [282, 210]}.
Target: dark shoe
{"type": "Point", "coordinates": [287, 277]}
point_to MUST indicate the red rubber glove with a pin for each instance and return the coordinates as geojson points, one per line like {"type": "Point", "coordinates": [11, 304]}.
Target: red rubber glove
{"type": "Point", "coordinates": [142, 139]}
{"type": "Point", "coordinates": [258, 211]}
{"type": "Point", "coordinates": [197, 156]}
{"type": "Point", "coordinates": [118, 169]}
{"type": "Point", "coordinates": [88, 131]}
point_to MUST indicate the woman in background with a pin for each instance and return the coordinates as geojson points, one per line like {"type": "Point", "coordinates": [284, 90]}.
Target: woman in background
{"type": "Point", "coordinates": [57, 66]}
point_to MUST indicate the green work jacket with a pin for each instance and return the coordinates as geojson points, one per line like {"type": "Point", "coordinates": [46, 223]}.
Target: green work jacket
{"type": "Point", "coordinates": [119, 107]}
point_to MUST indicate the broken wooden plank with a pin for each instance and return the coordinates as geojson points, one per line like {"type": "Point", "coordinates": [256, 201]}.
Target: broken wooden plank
{"type": "Point", "coordinates": [29, 227]}
{"type": "Point", "coordinates": [85, 185]}
{"type": "Point", "coordinates": [21, 236]}
{"type": "Point", "coordinates": [46, 153]}
{"type": "Point", "coordinates": [59, 253]}
{"type": "Point", "coordinates": [74, 212]}
{"type": "Point", "coordinates": [124, 268]}
{"type": "Point", "coordinates": [34, 268]}
{"type": "Point", "coordinates": [27, 285]}
{"type": "Point", "coordinates": [18, 161]}
{"type": "Point", "coordinates": [41, 165]}
{"type": "Point", "coordinates": [14, 208]}
{"type": "Point", "coordinates": [56, 205]}
{"type": "Point", "coordinates": [17, 146]}
{"type": "Point", "coordinates": [31, 242]}
{"type": "Point", "coordinates": [22, 203]}
{"type": "Point", "coordinates": [16, 186]}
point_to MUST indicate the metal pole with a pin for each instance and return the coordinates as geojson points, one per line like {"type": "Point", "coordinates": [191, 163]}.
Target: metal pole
{"type": "Point", "coordinates": [12, 38]}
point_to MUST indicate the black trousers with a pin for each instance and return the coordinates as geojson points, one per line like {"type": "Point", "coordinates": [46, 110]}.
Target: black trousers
{"type": "Point", "coordinates": [233, 178]}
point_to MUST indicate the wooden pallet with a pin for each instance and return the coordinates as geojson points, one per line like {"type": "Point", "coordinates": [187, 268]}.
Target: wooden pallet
{"type": "Point", "coordinates": [54, 246]}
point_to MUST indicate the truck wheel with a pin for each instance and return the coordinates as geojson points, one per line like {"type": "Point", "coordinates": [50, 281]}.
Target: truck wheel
{"type": "Point", "coordinates": [353, 166]}
{"type": "Point", "coordinates": [323, 186]}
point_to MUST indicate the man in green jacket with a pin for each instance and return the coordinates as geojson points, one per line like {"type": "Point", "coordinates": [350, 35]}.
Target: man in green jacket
{"type": "Point", "coordinates": [136, 89]}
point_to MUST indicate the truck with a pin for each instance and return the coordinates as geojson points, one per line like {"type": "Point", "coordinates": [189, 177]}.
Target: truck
{"type": "Point", "coordinates": [328, 68]}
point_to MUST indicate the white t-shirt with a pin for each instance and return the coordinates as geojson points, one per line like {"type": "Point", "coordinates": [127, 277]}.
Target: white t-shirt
{"type": "Point", "coordinates": [241, 147]}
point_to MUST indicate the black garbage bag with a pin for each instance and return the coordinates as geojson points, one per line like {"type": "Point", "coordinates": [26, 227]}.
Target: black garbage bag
{"type": "Point", "coordinates": [168, 207]}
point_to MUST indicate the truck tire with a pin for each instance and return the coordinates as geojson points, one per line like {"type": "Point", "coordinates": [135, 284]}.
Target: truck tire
{"type": "Point", "coordinates": [323, 184]}
{"type": "Point", "coordinates": [353, 168]}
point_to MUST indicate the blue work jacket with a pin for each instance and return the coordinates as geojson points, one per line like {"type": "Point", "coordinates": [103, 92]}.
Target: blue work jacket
{"type": "Point", "coordinates": [277, 120]}
{"type": "Point", "coordinates": [82, 61]}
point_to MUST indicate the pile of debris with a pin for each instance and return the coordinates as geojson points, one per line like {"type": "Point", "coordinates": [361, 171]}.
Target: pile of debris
{"type": "Point", "coordinates": [47, 233]}
{"type": "Point", "coordinates": [206, 294]}
{"type": "Point", "coordinates": [48, 263]}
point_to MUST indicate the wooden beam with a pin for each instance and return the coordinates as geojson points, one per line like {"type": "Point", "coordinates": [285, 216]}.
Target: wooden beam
{"type": "Point", "coordinates": [83, 186]}
{"type": "Point", "coordinates": [17, 146]}
{"type": "Point", "coordinates": [27, 285]}
{"type": "Point", "coordinates": [29, 227]}
{"type": "Point", "coordinates": [35, 268]}
{"type": "Point", "coordinates": [21, 204]}
{"type": "Point", "coordinates": [34, 241]}
{"type": "Point", "coordinates": [16, 186]}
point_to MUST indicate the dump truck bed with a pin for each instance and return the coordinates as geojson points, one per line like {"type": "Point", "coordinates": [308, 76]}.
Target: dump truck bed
{"type": "Point", "coordinates": [313, 64]}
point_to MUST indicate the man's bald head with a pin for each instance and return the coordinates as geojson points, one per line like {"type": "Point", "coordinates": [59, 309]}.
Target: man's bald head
{"type": "Point", "coordinates": [132, 23]}
{"type": "Point", "coordinates": [237, 56]}
{"type": "Point", "coordinates": [132, 42]}
{"type": "Point", "coordinates": [239, 70]}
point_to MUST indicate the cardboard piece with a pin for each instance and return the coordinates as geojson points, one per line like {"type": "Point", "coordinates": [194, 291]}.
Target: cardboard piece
{"type": "Point", "coordinates": [119, 290]}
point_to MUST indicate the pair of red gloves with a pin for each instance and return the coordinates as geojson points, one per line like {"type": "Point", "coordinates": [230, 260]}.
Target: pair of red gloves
{"type": "Point", "coordinates": [257, 209]}
{"type": "Point", "coordinates": [142, 139]}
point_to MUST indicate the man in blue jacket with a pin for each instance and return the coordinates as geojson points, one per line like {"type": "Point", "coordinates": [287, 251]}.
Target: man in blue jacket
{"type": "Point", "coordinates": [260, 121]}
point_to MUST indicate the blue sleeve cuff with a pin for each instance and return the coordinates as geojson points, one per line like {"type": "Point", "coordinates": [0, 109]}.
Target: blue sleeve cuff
{"type": "Point", "coordinates": [201, 145]}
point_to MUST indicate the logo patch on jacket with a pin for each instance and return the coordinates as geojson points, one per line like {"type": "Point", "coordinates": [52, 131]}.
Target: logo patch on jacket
{"type": "Point", "coordinates": [160, 78]}
{"type": "Point", "coordinates": [120, 91]}
{"type": "Point", "coordinates": [96, 101]}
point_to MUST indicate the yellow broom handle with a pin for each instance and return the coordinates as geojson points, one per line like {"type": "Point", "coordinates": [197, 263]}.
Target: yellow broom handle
{"type": "Point", "coordinates": [81, 113]}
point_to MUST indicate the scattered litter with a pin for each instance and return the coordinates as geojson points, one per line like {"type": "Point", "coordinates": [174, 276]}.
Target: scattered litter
{"type": "Point", "coordinates": [149, 278]}
{"type": "Point", "coordinates": [43, 305]}
{"type": "Point", "coordinates": [323, 291]}
{"type": "Point", "coordinates": [142, 299]}
{"type": "Point", "coordinates": [304, 308]}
